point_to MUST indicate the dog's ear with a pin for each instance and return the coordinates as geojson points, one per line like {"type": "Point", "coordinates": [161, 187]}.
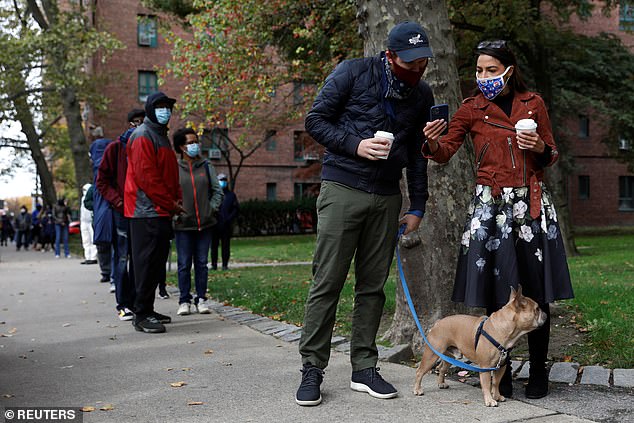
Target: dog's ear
{"type": "Point", "coordinates": [513, 294]}
{"type": "Point", "coordinates": [519, 290]}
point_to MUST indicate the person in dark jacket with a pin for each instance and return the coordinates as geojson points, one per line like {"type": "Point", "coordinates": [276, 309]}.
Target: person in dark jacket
{"type": "Point", "coordinates": [111, 184]}
{"type": "Point", "coordinates": [360, 200]}
{"type": "Point", "coordinates": [23, 225]}
{"type": "Point", "coordinates": [511, 234]}
{"type": "Point", "coordinates": [102, 216]}
{"type": "Point", "coordinates": [152, 196]}
{"type": "Point", "coordinates": [48, 228]}
{"type": "Point", "coordinates": [222, 231]}
{"type": "Point", "coordinates": [61, 214]}
{"type": "Point", "coordinates": [36, 227]}
{"type": "Point", "coordinates": [6, 229]}
{"type": "Point", "coordinates": [201, 199]}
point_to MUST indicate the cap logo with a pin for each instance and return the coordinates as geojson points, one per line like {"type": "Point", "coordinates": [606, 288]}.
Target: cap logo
{"type": "Point", "coordinates": [417, 39]}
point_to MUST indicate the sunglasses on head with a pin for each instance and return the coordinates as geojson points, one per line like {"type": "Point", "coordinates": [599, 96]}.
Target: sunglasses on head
{"type": "Point", "coordinates": [492, 44]}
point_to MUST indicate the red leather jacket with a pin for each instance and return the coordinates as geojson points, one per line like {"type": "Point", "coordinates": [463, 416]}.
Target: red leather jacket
{"type": "Point", "coordinates": [499, 161]}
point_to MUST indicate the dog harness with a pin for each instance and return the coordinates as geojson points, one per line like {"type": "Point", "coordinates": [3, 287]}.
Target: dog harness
{"type": "Point", "coordinates": [503, 351]}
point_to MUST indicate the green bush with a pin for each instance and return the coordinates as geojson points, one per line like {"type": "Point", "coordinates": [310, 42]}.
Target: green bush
{"type": "Point", "coordinates": [258, 217]}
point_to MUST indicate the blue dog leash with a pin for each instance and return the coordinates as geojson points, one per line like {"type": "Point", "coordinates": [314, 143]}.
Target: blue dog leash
{"type": "Point", "coordinates": [448, 359]}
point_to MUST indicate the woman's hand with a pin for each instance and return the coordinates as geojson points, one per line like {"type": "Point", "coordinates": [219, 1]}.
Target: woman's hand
{"type": "Point", "coordinates": [432, 132]}
{"type": "Point", "coordinates": [530, 141]}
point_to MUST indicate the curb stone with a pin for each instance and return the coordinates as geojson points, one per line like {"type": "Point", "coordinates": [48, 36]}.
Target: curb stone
{"type": "Point", "coordinates": [560, 372]}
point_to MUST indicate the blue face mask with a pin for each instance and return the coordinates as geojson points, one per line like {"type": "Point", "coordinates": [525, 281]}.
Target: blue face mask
{"type": "Point", "coordinates": [223, 184]}
{"type": "Point", "coordinates": [163, 115]}
{"type": "Point", "coordinates": [193, 150]}
{"type": "Point", "coordinates": [492, 87]}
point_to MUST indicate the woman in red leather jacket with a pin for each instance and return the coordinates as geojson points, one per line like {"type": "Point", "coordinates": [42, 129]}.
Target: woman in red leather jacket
{"type": "Point", "coordinates": [511, 235]}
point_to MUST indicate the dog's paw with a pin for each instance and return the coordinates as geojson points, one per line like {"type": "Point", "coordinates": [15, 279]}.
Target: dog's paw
{"type": "Point", "coordinates": [418, 392]}
{"type": "Point", "coordinates": [490, 402]}
{"type": "Point", "coordinates": [500, 398]}
{"type": "Point", "coordinates": [443, 386]}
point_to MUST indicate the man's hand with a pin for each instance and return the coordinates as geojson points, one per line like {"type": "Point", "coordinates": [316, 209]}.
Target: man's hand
{"type": "Point", "coordinates": [370, 148]}
{"type": "Point", "coordinates": [178, 209]}
{"type": "Point", "coordinates": [411, 221]}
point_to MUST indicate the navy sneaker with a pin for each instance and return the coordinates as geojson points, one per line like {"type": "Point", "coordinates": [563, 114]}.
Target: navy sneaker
{"type": "Point", "coordinates": [309, 392]}
{"type": "Point", "coordinates": [369, 380]}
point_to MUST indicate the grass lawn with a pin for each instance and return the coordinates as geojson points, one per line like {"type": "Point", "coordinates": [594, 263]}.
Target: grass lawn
{"type": "Point", "coordinates": [603, 279]}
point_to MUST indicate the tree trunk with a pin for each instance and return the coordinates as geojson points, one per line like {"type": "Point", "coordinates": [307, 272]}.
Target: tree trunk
{"type": "Point", "coordinates": [78, 145]}
{"type": "Point", "coordinates": [429, 255]}
{"type": "Point", "coordinates": [24, 116]}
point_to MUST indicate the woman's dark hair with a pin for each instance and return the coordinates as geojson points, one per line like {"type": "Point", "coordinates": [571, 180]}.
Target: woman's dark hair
{"type": "Point", "coordinates": [180, 138]}
{"type": "Point", "coordinates": [500, 51]}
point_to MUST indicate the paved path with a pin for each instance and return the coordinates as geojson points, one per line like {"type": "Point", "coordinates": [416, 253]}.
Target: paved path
{"type": "Point", "coordinates": [64, 346]}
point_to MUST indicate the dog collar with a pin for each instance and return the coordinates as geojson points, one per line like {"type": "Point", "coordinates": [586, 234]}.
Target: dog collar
{"type": "Point", "coordinates": [503, 351]}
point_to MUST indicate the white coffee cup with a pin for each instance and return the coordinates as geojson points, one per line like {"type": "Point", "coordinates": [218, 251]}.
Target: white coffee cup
{"type": "Point", "coordinates": [525, 125]}
{"type": "Point", "coordinates": [386, 136]}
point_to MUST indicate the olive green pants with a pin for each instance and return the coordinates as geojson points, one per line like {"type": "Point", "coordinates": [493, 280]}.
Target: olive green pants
{"type": "Point", "coordinates": [351, 223]}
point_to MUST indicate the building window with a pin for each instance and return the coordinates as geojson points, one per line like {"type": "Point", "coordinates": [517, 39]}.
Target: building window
{"type": "Point", "coordinates": [306, 190]}
{"type": "Point", "coordinates": [584, 126]}
{"type": "Point", "coordinates": [146, 31]}
{"type": "Point", "coordinates": [271, 144]}
{"type": "Point", "coordinates": [626, 16]}
{"type": "Point", "coordinates": [304, 148]}
{"type": "Point", "coordinates": [584, 187]}
{"type": "Point", "coordinates": [148, 84]}
{"type": "Point", "coordinates": [624, 144]}
{"type": "Point", "coordinates": [626, 193]}
{"type": "Point", "coordinates": [271, 191]}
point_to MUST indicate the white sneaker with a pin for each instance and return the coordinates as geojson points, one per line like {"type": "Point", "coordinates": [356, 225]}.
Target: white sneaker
{"type": "Point", "coordinates": [183, 309]}
{"type": "Point", "coordinates": [203, 307]}
{"type": "Point", "coordinates": [112, 287]}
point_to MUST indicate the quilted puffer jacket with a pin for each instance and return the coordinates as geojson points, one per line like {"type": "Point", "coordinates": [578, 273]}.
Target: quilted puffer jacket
{"type": "Point", "coordinates": [350, 107]}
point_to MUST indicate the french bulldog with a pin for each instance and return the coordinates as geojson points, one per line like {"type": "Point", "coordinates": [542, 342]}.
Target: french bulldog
{"type": "Point", "coordinates": [455, 335]}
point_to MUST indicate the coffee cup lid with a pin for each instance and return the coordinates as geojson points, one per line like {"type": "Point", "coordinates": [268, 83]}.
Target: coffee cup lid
{"type": "Point", "coordinates": [384, 134]}
{"type": "Point", "coordinates": [526, 124]}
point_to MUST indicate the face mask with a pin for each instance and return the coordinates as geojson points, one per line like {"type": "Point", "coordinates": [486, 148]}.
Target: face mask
{"type": "Point", "coordinates": [23, 211]}
{"type": "Point", "coordinates": [163, 115]}
{"type": "Point", "coordinates": [493, 86]}
{"type": "Point", "coordinates": [409, 77]}
{"type": "Point", "coordinates": [223, 184]}
{"type": "Point", "coordinates": [193, 150]}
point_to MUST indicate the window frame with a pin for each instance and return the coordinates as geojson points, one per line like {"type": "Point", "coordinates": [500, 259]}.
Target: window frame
{"type": "Point", "coordinates": [142, 77]}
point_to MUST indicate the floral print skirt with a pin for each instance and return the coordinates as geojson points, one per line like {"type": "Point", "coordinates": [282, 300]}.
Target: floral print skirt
{"type": "Point", "coordinates": [503, 246]}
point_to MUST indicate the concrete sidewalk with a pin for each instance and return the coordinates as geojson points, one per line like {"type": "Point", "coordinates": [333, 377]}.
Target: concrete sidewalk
{"type": "Point", "coordinates": [63, 345]}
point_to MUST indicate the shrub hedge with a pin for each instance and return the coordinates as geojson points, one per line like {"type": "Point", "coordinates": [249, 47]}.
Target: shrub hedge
{"type": "Point", "coordinates": [259, 217]}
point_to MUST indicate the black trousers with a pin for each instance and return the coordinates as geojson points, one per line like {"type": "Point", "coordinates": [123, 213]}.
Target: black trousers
{"type": "Point", "coordinates": [220, 236]}
{"type": "Point", "coordinates": [150, 247]}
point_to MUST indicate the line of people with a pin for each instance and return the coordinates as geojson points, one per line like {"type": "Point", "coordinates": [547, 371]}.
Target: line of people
{"type": "Point", "coordinates": [144, 198]}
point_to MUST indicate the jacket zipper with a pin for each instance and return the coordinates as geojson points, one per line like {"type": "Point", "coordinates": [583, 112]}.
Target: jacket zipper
{"type": "Point", "coordinates": [508, 140]}
{"type": "Point", "coordinates": [191, 175]}
{"type": "Point", "coordinates": [484, 150]}
{"type": "Point", "coordinates": [524, 169]}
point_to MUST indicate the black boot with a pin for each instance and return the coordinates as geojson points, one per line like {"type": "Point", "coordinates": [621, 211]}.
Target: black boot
{"type": "Point", "coordinates": [538, 340]}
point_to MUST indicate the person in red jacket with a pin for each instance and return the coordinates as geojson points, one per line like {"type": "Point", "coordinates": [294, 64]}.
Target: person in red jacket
{"type": "Point", "coordinates": [152, 196]}
{"type": "Point", "coordinates": [511, 235]}
{"type": "Point", "coordinates": [111, 183]}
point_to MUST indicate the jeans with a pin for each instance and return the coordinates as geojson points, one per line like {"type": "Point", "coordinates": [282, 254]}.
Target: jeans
{"type": "Point", "coordinates": [61, 231]}
{"type": "Point", "coordinates": [123, 273]}
{"type": "Point", "coordinates": [192, 246]}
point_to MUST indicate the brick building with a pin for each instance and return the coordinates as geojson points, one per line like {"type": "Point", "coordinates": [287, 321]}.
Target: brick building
{"type": "Point", "coordinates": [600, 189]}
{"type": "Point", "coordinates": [283, 168]}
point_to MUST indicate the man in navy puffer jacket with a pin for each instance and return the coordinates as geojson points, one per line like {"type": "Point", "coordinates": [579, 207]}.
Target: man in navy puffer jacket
{"type": "Point", "coordinates": [360, 200]}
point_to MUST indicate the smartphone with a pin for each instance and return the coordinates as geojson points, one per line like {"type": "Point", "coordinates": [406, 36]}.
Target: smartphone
{"type": "Point", "coordinates": [440, 111]}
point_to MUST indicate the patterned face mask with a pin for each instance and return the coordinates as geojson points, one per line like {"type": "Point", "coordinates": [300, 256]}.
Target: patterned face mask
{"type": "Point", "coordinates": [493, 86]}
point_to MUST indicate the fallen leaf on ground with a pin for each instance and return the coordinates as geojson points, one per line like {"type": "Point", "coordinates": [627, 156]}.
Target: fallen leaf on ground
{"type": "Point", "coordinates": [177, 384]}
{"type": "Point", "coordinates": [463, 380]}
{"type": "Point", "coordinates": [195, 403]}
{"type": "Point", "coordinates": [209, 352]}
{"type": "Point", "coordinates": [185, 369]}
{"type": "Point", "coordinates": [107, 407]}
{"type": "Point", "coordinates": [87, 409]}
{"type": "Point", "coordinates": [8, 395]}
{"type": "Point", "coordinates": [13, 330]}
{"type": "Point", "coordinates": [567, 358]}
{"type": "Point", "coordinates": [191, 342]}
{"type": "Point", "coordinates": [221, 318]}
{"type": "Point", "coordinates": [169, 369]}
{"type": "Point", "coordinates": [65, 325]}
{"type": "Point", "coordinates": [463, 373]}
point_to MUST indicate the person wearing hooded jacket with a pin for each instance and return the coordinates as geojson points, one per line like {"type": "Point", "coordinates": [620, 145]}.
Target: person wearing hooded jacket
{"type": "Point", "coordinates": [111, 183]}
{"type": "Point", "coordinates": [152, 196]}
{"type": "Point", "coordinates": [202, 197]}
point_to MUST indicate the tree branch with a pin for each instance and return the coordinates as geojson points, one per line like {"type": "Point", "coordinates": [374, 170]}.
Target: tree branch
{"type": "Point", "coordinates": [37, 14]}
{"type": "Point", "coordinates": [31, 91]}
{"type": "Point", "coordinates": [17, 144]}
{"type": "Point", "coordinates": [49, 126]}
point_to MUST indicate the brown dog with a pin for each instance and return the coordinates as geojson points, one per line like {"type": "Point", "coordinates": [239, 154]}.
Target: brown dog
{"type": "Point", "coordinates": [518, 317]}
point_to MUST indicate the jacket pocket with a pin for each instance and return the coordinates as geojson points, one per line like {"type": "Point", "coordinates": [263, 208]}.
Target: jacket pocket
{"type": "Point", "coordinates": [481, 155]}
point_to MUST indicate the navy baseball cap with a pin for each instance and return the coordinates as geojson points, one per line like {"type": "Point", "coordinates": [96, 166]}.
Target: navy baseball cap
{"type": "Point", "coordinates": [409, 41]}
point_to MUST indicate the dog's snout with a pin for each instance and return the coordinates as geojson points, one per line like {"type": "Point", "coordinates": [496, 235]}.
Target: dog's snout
{"type": "Point", "coordinates": [541, 319]}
